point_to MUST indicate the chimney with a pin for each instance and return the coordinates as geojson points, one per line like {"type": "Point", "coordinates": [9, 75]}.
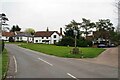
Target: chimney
{"type": "Point", "coordinates": [47, 29]}
{"type": "Point", "coordinates": [60, 31]}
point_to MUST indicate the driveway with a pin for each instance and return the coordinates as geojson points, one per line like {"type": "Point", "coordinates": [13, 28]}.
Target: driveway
{"type": "Point", "coordinates": [32, 64]}
{"type": "Point", "coordinates": [108, 57]}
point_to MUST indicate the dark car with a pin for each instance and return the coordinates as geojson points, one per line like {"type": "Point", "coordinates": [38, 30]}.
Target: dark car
{"type": "Point", "coordinates": [101, 46]}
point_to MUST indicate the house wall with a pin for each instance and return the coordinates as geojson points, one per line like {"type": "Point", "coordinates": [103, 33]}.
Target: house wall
{"type": "Point", "coordinates": [51, 39]}
{"type": "Point", "coordinates": [38, 39]}
{"type": "Point", "coordinates": [45, 38]}
{"type": "Point", "coordinates": [23, 38]}
{"type": "Point", "coordinates": [5, 38]}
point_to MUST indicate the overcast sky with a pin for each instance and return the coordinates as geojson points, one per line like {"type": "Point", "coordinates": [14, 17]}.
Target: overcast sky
{"type": "Point", "coordinates": [40, 14]}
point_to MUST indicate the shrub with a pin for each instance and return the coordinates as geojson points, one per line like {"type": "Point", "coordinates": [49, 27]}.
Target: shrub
{"type": "Point", "coordinates": [11, 39]}
{"type": "Point", "coordinates": [69, 41]}
{"type": "Point", "coordinates": [84, 43]}
{"type": "Point", "coordinates": [65, 41]}
{"type": "Point", "coordinates": [75, 51]}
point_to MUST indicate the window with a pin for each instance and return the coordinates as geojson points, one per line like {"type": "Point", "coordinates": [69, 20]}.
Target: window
{"type": "Point", "coordinates": [54, 36]}
{"type": "Point", "coordinates": [36, 41]}
{"type": "Point", "coordinates": [17, 38]}
{"type": "Point", "coordinates": [42, 37]}
{"type": "Point", "coordinates": [46, 37]}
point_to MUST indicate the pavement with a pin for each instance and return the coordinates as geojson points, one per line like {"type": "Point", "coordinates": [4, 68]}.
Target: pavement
{"type": "Point", "coordinates": [108, 57]}
{"type": "Point", "coordinates": [32, 64]}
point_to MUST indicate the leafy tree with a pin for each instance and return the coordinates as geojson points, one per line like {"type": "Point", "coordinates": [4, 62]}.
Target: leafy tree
{"type": "Point", "coordinates": [87, 25]}
{"type": "Point", "coordinates": [66, 41]}
{"type": "Point", "coordinates": [104, 27]}
{"type": "Point", "coordinates": [11, 39]}
{"type": "Point", "coordinates": [69, 30]}
{"type": "Point", "coordinates": [15, 28]}
{"type": "Point", "coordinates": [5, 29]}
{"type": "Point", "coordinates": [115, 37]}
{"type": "Point", "coordinates": [3, 19]}
{"type": "Point", "coordinates": [69, 34]}
{"type": "Point", "coordinates": [30, 31]}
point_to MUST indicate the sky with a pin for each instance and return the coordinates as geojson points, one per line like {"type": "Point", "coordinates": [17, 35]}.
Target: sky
{"type": "Point", "coordinates": [40, 14]}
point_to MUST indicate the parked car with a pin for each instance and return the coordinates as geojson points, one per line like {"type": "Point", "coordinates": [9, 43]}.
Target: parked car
{"type": "Point", "coordinates": [101, 46]}
{"type": "Point", "coordinates": [112, 45]}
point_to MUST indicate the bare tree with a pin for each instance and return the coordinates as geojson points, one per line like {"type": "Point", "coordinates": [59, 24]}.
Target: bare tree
{"type": "Point", "coordinates": [118, 15]}
{"type": "Point", "coordinates": [117, 5]}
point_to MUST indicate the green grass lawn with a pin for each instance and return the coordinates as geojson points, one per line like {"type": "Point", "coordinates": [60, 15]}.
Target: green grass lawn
{"type": "Point", "coordinates": [62, 51]}
{"type": "Point", "coordinates": [4, 62]}
{"type": "Point", "coordinates": [0, 66]}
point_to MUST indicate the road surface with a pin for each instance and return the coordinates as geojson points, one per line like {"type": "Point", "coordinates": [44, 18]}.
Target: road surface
{"type": "Point", "coordinates": [32, 64]}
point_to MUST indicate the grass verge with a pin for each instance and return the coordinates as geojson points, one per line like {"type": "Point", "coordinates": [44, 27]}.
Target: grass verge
{"type": "Point", "coordinates": [62, 51]}
{"type": "Point", "coordinates": [0, 66]}
{"type": "Point", "coordinates": [4, 62]}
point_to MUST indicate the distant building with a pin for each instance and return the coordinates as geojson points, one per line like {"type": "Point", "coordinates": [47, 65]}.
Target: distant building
{"type": "Point", "coordinates": [22, 36]}
{"type": "Point", "coordinates": [17, 36]}
{"type": "Point", "coordinates": [7, 35]}
{"type": "Point", "coordinates": [48, 37]}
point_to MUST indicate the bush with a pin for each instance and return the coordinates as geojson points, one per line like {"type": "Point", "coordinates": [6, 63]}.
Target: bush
{"type": "Point", "coordinates": [11, 39]}
{"type": "Point", "coordinates": [75, 51]}
{"type": "Point", "coordinates": [84, 43]}
{"type": "Point", "coordinates": [69, 41]}
{"type": "Point", "coordinates": [65, 41]}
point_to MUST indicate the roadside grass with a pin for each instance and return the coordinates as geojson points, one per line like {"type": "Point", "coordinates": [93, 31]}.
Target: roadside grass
{"type": "Point", "coordinates": [4, 62]}
{"type": "Point", "coordinates": [62, 51]}
{"type": "Point", "coordinates": [0, 66]}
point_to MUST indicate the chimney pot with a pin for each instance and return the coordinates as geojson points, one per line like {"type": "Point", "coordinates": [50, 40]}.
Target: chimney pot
{"type": "Point", "coordinates": [60, 31]}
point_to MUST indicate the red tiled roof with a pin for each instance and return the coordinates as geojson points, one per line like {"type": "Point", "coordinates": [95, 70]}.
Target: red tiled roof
{"type": "Point", "coordinates": [45, 33]}
{"type": "Point", "coordinates": [8, 34]}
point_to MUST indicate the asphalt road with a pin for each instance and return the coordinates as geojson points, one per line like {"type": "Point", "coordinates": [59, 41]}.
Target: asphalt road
{"type": "Point", "coordinates": [32, 64]}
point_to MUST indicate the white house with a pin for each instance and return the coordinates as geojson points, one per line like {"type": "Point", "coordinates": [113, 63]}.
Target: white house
{"type": "Point", "coordinates": [7, 35]}
{"type": "Point", "coordinates": [22, 36]}
{"type": "Point", "coordinates": [17, 36]}
{"type": "Point", "coordinates": [48, 37]}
